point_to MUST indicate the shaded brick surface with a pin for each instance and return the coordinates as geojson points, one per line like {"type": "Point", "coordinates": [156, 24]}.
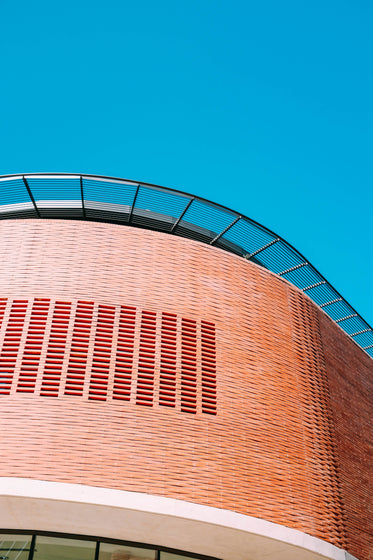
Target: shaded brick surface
{"type": "Point", "coordinates": [290, 441]}
{"type": "Point", "coordinates": [350, 376]}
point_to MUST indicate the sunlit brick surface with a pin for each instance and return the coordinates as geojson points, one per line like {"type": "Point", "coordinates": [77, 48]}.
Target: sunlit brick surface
{"type": "Point", "coordinates": [132, 359]}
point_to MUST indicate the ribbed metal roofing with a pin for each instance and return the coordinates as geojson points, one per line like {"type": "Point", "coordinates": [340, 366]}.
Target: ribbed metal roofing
{"type": "Point", "coordinates": [107, 199]}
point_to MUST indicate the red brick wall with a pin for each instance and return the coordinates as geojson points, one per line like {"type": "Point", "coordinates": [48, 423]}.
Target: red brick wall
{"type": "Point", "coordinates": [276, 447]}
{"type": "Point", "coordinates": [351, 396]}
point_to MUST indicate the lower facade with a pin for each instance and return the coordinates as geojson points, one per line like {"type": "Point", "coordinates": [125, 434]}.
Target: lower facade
{"type": "Point", "coordinates": [135, 526]}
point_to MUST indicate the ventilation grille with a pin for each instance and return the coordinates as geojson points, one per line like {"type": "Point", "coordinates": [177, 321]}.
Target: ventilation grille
{"type": "Point", "coordinates": [77, 365]}
{"type": "Point", "coordinates": [55, 353]}
{"type": "Point", "coordinates": [188, 365]}
{"type": "Point", "coordinates": [12, 340]}
{"type": "Point", "coordinates": [168, 370]}
{"type": "Point", "coordinates": [98, 386]}
{"type": "Point", "coordinates": [208, 366]}
{"type": "Point", "coordinates": [124, 355]}
{"type": "Point", "coordinates": [33, 346]}
{"type": "Point", "coordinates": [105, 352]}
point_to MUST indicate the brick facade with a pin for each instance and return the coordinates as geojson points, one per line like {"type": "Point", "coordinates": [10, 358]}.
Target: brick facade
{"type": "Point", "coordinates": [136, 360]}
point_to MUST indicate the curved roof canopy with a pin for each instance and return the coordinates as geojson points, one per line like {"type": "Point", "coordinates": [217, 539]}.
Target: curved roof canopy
{"type": "Point", "coordinates": [88, 197]}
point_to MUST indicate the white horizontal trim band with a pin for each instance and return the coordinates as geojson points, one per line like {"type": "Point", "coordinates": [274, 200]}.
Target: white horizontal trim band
{"type": "Point", "coordinates": [73, 508]}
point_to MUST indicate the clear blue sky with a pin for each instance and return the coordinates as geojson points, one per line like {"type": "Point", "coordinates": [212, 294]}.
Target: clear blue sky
{"type": "Point", "coordinates": [265, 107]}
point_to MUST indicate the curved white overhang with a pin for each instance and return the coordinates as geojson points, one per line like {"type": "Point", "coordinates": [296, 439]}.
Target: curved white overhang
{"type": "Point", "coordinates": [34, 505]}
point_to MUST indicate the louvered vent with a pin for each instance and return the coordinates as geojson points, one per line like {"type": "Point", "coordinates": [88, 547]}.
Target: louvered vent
{"type": "Point", "coordinates": [124, 355]}
{"type": "Point", "coordinates": [76, 369]}
{"type": "Point", "coordinates": [146, 367]}
{"type": "Point", "coordinates": [33, 346]}
{"type": "Point", "coordinates": [100, 367]}
{"type": "Point", "coordinates": [56, 348]}
{"type": "Point", "coordinates": [106, 352]}
{"type": "Point", "coordinates": [167, 375]}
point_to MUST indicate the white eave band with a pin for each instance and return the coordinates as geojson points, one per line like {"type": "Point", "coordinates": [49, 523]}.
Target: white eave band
{"type": "Point", "coordinates": [35, 505]}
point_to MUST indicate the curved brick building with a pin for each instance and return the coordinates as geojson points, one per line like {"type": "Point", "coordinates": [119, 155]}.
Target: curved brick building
{"type": "Point", "coordinates": [175, 381]}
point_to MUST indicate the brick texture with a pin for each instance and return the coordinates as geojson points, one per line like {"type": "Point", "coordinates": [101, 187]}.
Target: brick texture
{"type": "Point", "coordinates": [351, 397]}
{"type": "Point", "coordinates": [135, 360]}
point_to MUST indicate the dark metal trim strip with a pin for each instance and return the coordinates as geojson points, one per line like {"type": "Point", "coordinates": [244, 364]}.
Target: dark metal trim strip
{"type": "Point", "coordinates": [31, 195]}
{"type": "Point", "coordinates": [182, 215]}
{"type": "Point", "coordinates": [133, 203]}
{"type": "Point", "coordinates": [82, 194]}
{"type": "Point", "coordinates": [225, 230]}
{"type": "Point", "coordinates": [347, 317]}
{"type": "Point", "coordinates": [251, 255]}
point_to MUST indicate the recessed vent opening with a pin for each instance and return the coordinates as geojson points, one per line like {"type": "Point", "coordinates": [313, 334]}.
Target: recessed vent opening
{"type": "Point", "coordinates": [33, 346]}
{"type": "Point", "coordinates": [145, 371]}
{"type": "Point", "coordinates": [208, 344]}
{"type": "Point", "coordinates": [100, 367]}
{"type": "Point", "coordinates": [56, 349]}
{"type": "Point", "coordinates": [12, 338]}
{"type": "Point", "coordinates": [76, 369]}
{"type": "Point", "coordinates": [188, 366]}
{"type": "Point", "coordinates": [106, 352]}
{"type": "Point", "coordinates": [167, 376]}
{"type": "Point", "coordinates": [124, 355]}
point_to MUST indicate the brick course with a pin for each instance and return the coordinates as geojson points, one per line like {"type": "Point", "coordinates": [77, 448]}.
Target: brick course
{"type": "Point", "coordinates": [291, 440]}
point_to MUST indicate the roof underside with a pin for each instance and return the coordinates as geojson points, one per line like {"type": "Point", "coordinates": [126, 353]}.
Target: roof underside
{"type": "Point", "coordinates": [86, 197]}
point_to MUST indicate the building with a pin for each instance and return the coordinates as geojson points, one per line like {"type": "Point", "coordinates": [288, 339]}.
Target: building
{"type": "Point", "coordinates": [185, 386]}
